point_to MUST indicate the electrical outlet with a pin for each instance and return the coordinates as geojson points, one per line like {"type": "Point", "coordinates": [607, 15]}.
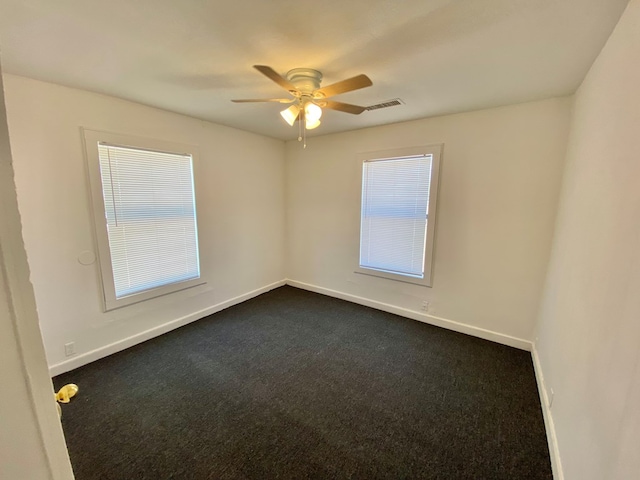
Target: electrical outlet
{"type": "Point", "coordinates": [550, 397]}
{"type": "Point", "coordinates": [425, 306]}
{"type": "Point", "coordinates": [69, 349]}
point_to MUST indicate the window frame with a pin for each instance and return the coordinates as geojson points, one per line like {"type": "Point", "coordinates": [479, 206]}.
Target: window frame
{"type": "Point", "coordinates": [91, 138]}
{"type": "Point", "coordinates": [436, 152]}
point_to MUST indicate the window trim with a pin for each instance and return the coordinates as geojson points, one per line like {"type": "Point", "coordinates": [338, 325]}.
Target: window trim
{"type": "Point", "coordinates": [436, 151]}
{"type": "Point", "coordinates": [91, 138]}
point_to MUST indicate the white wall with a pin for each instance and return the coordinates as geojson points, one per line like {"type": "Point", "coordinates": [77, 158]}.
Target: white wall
{"type": "Point", "coordinates": [500, 177]}
{"type": "Point", "coordinates": [239, 196]}
{"type": "Point", "coordinates": [589, 327]}
{"type": "Point", "coordinates": [31, 441]}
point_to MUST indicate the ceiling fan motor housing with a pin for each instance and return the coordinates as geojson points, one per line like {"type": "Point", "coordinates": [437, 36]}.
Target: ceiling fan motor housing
{"type": "Point", "coordinates": [306, 80]}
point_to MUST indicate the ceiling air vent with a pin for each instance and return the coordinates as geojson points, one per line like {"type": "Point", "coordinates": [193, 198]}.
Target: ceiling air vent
{"type": "Point", "coordinates": [388, 103]}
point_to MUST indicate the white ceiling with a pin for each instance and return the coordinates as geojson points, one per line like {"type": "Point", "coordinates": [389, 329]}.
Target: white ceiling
{"type": "Point", "coordinates": [194, 56]}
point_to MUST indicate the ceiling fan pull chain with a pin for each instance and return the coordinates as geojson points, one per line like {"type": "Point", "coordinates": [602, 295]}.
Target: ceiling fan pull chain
{"type": "Point", "coordinates": [303, 123]}
{"type": "Point", "coordinates": [300, 126]}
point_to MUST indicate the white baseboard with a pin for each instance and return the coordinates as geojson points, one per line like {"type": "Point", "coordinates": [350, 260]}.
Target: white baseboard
{"type": "Point", "coordinates": [125, 343]}
{"type": "Point", "coordinates": [520, 343]}
{"type": "Point", "coordinates": [552, 440]}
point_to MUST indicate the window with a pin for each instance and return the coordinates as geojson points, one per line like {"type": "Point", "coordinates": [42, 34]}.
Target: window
{"type": "Point", "coordinates": [145, 217]}
{"type": "Point", "coordinates": [397, 216]}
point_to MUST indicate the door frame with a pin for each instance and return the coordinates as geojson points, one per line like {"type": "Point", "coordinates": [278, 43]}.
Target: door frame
{"type": "Point", "coordinates": [30, 409]}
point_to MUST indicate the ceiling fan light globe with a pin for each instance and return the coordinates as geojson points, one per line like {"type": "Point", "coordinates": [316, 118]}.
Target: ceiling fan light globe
{"type": "Point", "coordinates": [290, 114]}
{"type": "Point", "coordinates": [312, 112]}
{"type": "Point", "coordinates": [310, 124]}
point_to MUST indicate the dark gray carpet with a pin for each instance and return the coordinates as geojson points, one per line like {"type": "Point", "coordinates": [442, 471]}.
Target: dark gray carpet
{"type": "Point", "coordinates": [297, 385]}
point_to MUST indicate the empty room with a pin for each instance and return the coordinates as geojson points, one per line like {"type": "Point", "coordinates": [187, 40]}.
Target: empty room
{"type": "Point", "coordinates": [339, 240]}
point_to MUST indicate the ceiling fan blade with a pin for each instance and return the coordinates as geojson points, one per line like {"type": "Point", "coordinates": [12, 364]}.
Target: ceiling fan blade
{"type": "Point", "coordinates": [353, 83]}
{"type": "Point", "coordinates": [278, 100]}
{"type": "Point", "coordinates": [343, 107]}
{"type": "Point", "coordinates": [276, 77]}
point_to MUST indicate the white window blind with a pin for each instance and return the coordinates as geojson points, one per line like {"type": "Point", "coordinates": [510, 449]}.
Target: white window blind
{"type": "Point", "coordinates": [395, 205]}
{"type": "Point", "coordinates": [151, 217]}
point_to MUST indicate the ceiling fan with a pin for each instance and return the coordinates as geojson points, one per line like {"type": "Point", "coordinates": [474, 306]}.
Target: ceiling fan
{"type": "Point", "coordinates": [308, 99]}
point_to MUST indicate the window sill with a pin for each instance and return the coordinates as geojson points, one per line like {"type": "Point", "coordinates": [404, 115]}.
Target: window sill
{"type": "Point", "coordinates": [113, 303]}
{"type": "Point", "coordinates": [424, 282]}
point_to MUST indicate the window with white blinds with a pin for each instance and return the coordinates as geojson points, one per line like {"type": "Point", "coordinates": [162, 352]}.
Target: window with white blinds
{"type": "Point", "coordinates": [395, 215]}
{"type": "Point", "coordinates": [149, 216]}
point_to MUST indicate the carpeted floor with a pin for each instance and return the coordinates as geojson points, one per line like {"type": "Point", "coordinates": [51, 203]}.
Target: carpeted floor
{"type": "Point", "coordinates": [296, 385]}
